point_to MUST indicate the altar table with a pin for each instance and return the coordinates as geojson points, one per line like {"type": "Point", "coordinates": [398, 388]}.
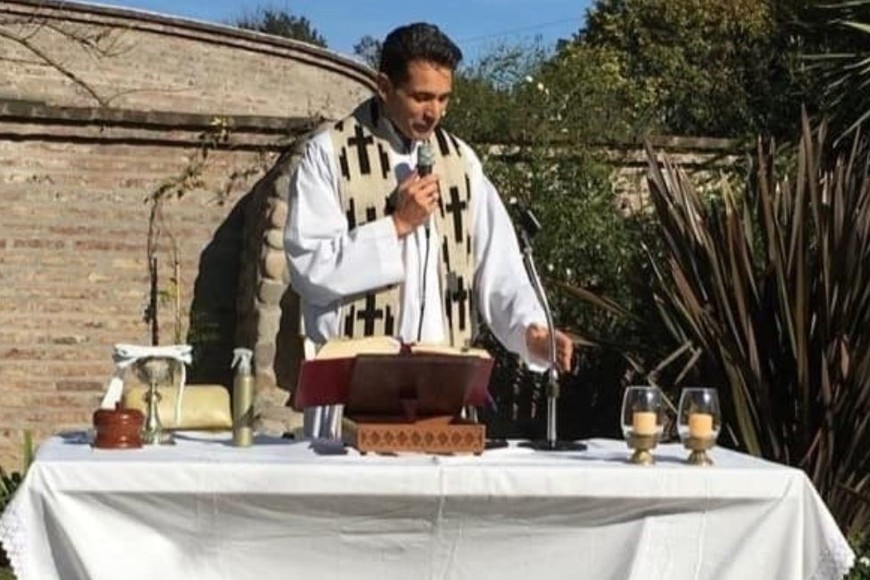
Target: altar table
{"type": "Point", "coordinates": [206, 510]}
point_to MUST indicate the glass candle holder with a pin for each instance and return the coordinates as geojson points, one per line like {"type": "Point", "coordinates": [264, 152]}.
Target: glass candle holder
{"type": "Point", "coordinates": [642, 422]}
{"type": "Point", "coordinates": [698, 422]}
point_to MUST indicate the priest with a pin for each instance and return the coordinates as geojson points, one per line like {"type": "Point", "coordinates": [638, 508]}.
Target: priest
{"type": "Point", "coordinates": [395, 230]}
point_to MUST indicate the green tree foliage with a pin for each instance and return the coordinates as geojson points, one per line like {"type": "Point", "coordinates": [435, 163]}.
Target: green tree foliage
{"type": "Point", "coordinates": [530, 124]}
{"type": "Point", "coordinates": [281, 23]}
{"type": "Point", "coordinates": [838, 53]}
{"type": "Point", "coordinates": [594, 98]}
{"type": "Point", "coordinates": [716, 68]}
{"type": "Point", "coordinates": [726, 68]}
{"type": "Point", "coordinates": [525, 94]}
{"type": "Point", "coordinates": [861, 545]}
{"type": "Point", "coordinates": [484, 107]}
{"type": "Point", "coordinates": [368, 49]}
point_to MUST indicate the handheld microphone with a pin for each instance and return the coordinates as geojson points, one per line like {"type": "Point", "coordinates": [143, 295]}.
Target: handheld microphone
{"type": "Point", "coordinates": [425, 159]}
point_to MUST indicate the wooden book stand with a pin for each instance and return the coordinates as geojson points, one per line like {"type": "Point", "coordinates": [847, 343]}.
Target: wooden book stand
{"type": "Point", "coordinates": [411, 401]}
{"type": "Point", "coordinates": [414, 402]}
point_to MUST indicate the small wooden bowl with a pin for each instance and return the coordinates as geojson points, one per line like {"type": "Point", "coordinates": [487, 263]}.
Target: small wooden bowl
{"type": "Point", "coordinates": [118, 428]}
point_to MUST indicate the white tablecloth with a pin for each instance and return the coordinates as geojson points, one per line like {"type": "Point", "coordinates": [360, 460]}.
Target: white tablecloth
{"type": "Point", "coordinates": [204, 509]}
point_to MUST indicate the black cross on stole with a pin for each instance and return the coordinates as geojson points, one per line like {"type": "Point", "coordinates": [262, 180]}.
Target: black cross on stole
{"type": "Point", "coordinates": [455, 207]}
{"type": "Point", "coordinates": [460, 296]}
{"type": "Point", "coordinates": [371, 313]}
{"type": "Point", "coordinates": [361, 141]}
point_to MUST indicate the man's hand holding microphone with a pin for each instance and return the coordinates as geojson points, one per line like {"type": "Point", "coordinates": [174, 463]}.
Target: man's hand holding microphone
{"type": "Point", "coordinates": [417, 195]}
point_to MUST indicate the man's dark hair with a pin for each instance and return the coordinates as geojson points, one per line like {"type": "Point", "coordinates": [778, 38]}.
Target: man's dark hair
{"type": "Point", "coordinates": [418, 41]}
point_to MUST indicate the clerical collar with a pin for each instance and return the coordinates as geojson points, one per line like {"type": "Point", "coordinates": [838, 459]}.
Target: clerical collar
{"type": "Point", "coordinates": [401, 143]}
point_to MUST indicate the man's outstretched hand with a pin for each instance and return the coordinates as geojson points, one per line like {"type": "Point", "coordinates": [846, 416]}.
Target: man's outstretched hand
{"type": "Point", "coordinates": [538, 345]}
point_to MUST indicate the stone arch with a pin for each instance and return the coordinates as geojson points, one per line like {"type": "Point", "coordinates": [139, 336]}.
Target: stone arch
{"type": "Point", "coordinates": [264, 291]}
{"type": "Point", "coordinates": [269, 314]}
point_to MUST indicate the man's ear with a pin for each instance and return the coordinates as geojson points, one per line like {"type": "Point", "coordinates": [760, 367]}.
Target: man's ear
{"type": "Point", "coordinates": [385, 85]}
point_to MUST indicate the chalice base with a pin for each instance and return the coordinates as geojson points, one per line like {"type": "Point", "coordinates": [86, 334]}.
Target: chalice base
{"type": "Point", "coordinates": [157, 438]}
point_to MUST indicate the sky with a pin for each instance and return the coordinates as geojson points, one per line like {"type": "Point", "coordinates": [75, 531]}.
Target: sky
{"type": "Point", "coordinates": [475, 25]}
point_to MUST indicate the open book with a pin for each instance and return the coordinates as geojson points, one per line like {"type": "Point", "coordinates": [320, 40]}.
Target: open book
{"type": "Point", "coordinates": [380, 375]}
{"type": "Point", "coordinates": [344, 347]}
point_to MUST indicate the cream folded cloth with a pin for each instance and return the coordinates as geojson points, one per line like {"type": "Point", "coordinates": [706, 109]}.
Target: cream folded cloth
{"type": "Point", "coordinates": [125, 355]}
{"type": "Point", "coordinates": [206, 407]}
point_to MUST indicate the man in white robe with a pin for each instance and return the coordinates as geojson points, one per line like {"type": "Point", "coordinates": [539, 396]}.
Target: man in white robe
{"type": "Point", "coordinates": [332, 260]}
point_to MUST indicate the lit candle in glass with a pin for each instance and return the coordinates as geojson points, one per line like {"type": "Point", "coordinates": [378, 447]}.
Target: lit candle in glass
{"type": "Point", "coordinates": [701, 425]}
{"type": "Point", "coordinates": [644, 423]}
{"type": "Point", "coordinates": [699, 420]}
{"type": "Point", "coordinates": [641, 411]}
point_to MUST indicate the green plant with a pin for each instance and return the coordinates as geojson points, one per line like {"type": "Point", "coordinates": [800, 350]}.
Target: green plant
{"type": "Point", "coordinates": [190, 178]}
{"type": "Point", "coordinates": [542, 111]}
{"type": "Point", "coordinates": [279, 22]}
{"type": "Point", "coordinates": [861, 570]}
{"type": "Point", "coordinates": [841, 62]}
{"type": "Point", "coordinates": [587, 245]}
{"type": "Point", "coordinates": [664, 48]}
{"type": "Point", "coordinates": [770, 287]}
{"type": "Point", "coordinates": [9, 482]}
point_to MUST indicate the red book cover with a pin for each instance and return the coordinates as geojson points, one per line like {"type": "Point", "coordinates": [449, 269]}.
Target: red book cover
{"type": "Point", "coordinates": [438, 382]}
{"type": "Point", "coordinates": [323, 382]}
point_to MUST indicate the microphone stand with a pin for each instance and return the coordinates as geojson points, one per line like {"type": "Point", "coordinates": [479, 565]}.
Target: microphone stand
{"type": "Point", "coordinates": [529, 226]}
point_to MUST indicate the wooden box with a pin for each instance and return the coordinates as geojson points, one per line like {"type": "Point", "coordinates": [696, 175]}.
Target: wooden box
{"type": "Point", "coordinates": [443, 434]}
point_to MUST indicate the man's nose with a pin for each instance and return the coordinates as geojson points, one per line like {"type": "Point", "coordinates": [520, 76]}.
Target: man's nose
{"type": "Point", "coordinates": [435, 111]}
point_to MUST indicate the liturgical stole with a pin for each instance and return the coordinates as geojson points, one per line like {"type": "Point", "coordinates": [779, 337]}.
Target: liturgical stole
{"type": "Point", "coordinates": [366, 184]}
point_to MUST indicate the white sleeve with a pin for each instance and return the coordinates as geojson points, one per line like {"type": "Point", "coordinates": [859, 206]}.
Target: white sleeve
{"type": "Point", "coordinates": [327, 262]}
{"type": "Point", "coordinates": [505, 297]}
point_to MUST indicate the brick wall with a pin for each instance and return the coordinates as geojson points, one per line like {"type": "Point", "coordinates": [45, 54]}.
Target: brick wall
{"type": "Point", "coordinates": [134, 60]}
{"type": "Point", "coordinates": [73, 269]}
{"type": "Point", "coordinates": [76, 169]}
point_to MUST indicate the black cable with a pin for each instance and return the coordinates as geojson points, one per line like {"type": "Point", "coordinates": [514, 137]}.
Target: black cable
{"type": "Point", "coordinates": [423, 293]}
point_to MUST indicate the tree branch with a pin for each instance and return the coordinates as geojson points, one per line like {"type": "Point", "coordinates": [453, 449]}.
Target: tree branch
{"type": "Point", "coordinates": [50, 61]}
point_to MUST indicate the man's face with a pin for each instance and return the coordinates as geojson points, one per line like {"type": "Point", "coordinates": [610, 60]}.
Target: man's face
{"type": "Point", "coordinates": [416, 106]}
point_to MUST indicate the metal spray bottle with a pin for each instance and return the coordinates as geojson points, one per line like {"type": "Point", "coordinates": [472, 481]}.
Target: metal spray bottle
{"type": "Point", "coordinates": [243, 398]}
